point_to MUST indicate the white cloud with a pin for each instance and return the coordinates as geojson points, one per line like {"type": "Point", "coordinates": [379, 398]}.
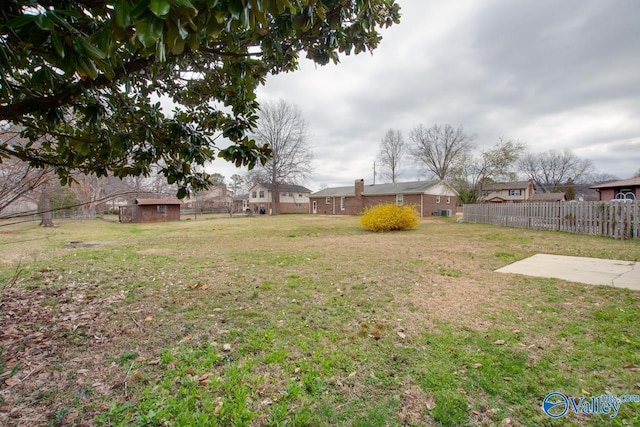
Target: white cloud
{"type": "Point", "coordinates": [550, 74]}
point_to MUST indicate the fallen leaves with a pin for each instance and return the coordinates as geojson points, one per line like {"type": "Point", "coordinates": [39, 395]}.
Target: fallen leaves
{"type": "Point", "coordinates": [41, 330]}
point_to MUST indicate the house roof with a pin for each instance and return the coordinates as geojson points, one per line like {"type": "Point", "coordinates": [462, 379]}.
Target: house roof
{"type": "Point", "coordinates": [241, 197]}
{"type": "Point", "coordinates": [547, 197]}
{"type": "Point", "coordinates": [413, 187]}
{"type": "Point", "coordinates": [496, 186]}
{"type": "Point", "coordinates": [335, 191]}
{"type": "Point", "coordinates": [144, 202]}
{"type": "Point", "coordinates": [285, 187]}
{"type": "Point", "coordinates": [631, 182]}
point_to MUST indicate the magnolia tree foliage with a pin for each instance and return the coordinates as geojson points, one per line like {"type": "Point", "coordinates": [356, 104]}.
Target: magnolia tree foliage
{"type": "Point", "coordinates": [83, 77]}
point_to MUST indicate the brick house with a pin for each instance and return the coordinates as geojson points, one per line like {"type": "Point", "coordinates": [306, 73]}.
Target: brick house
{"type": "Point", "coordinates": [430, 197]}
{"type": "Point", "coordinates": [291, 198]}
{"type": "Point", "coordinates": [241, 203]}
{"type": "Point", "coordinates": [625, 189]}
{"type": "Point", "coordinates": [508, 192]}
{"type": "Point", "coordinates": [215, 199]}
{"type": "Point", "coordinates": [151, 210]}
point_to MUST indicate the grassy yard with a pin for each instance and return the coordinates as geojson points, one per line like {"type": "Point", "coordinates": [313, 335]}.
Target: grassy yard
{"type": "Point", "coordinates": [299, 320]}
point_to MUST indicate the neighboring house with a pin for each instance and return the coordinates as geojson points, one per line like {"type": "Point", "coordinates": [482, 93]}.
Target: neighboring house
{"type": "Point", "coordinates": [508, 192]}
{"type": "Point", "coordinates": [215, 199]}
{"type": "Point", "coordinates": [291, 199]}
{"type": "Point", "coordinates": [429, 197]}
{"type": "Point", "coordinates": [241, 203]}
{"type": "Point", "coordinates": [548, 197]}
{"type": "Point", "coordinates": [625, 189]}
{"type": "Point", "coordinates": [151, 210]}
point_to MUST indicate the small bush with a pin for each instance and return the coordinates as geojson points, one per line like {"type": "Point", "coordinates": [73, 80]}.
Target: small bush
{"type": "Point", "coordinates": [389, 217]}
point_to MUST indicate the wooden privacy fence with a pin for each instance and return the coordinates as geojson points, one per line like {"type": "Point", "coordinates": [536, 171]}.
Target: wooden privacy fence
{"type": "Point", "coordinates": [619, 219]}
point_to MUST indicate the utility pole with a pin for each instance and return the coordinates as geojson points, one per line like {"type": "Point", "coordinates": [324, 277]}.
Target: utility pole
{"type": "Point", "coordinates": [374, 172]}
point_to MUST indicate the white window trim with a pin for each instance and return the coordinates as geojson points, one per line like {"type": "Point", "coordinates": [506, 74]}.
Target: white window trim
{"type": "Point", "coordinates": [437, 199]}
{"type": "Point", "coordinates": [399, 199]}
{"type": "Point", "coordinates": [327, 200]}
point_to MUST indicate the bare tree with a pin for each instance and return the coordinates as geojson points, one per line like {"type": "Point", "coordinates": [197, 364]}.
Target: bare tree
{"type": "Point", "coordinates": [498, 163]}
{"type": "Point", "coordinates": [18, 180]}
{"type": "Point", "coordinates": [392, 149]}
{"type": "Point", "coordinates": [439, 147]}
{"type": "Point", "coordinates": [551, 169]}
{"type": "Point", "coordinates": [602, 177]}
{"type": "Point", "coordinates": [637, 174]}
{"type": "Point", "coordinates": [237, 184]}
{"type": "Point", "coordinates": [90, 191]}
{"type": "Point", "coordinates": [283, 127]}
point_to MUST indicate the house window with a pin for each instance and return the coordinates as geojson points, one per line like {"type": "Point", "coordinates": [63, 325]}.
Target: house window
{"type": "Point", "coordinates": [261, 194]}
{"type": "Point", "coordinates": [343, 204]}
{"type": "Point", "coordinates": [437, 199]}
{"type": "Point", "coordinates": [162, 208]}
{"type": "Point", "coordinates": [299, 194]}
{"type": "Point", "coordinates": [254, 194]}
{"type": "Point", "coordinates": [448, 200]}
{"type": "Point", "coordinates": [298, 206]}
{"type": "Point", "coordinates": [515, 192]}
{"type": "Point", "coordinates": [399, 199]}
{"type": "Point", "coordinates": [328, 200]}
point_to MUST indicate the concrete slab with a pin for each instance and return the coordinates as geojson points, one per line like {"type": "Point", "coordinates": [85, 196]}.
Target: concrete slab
{"type": "Point", "coordinates": [592, 271]}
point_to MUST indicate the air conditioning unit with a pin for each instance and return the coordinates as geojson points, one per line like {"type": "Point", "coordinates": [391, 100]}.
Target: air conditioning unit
{"type": "Point", "coordinates": [446, 212]}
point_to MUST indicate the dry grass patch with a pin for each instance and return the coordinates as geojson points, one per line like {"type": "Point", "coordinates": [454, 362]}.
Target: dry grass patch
{"type": "Point", "coordinates": [303, 320]}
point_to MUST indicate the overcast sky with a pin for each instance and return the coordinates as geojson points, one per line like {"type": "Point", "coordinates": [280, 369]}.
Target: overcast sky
{"type": "Point", "coordinates": [551, 74]}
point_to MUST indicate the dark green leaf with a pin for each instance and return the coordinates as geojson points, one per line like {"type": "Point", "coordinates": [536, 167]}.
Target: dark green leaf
{"type": "Point", "coordinates": [57, 44]}
{"type": "Point", "coordinates": [21, 21]}
{"type": "Point", "coordinates": [123, 13]}
{"type": "Point", "coordinates": [159, 7]}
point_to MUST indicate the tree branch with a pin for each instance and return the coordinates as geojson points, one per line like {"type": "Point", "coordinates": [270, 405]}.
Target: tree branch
{"type": "Point", "coordinates": [13, 112]}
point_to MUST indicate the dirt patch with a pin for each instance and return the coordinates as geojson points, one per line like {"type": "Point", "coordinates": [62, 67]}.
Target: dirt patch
{"type": "Point", "coordinates": [78, 244]}
{"type": "Point", "coordinates": [156, 251]}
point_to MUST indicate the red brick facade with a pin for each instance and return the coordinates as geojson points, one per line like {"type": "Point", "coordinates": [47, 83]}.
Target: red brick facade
{"type": "Point", "coordinates": [352, 200]}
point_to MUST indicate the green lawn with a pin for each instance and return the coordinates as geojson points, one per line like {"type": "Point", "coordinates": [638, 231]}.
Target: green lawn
{"type": "Point", "coordinates": [300, 320]}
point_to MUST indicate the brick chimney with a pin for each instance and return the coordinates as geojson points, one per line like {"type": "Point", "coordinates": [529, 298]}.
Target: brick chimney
{"type": "Point", "coordinates": [359, 189]}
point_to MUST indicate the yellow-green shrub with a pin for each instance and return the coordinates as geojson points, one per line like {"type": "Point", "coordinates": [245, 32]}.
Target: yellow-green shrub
{"type": "Point", "coordinates": [389, 217]}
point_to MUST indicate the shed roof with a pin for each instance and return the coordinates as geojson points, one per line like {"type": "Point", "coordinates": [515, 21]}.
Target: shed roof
{"type": "Point", "coordinates": [145, 202]}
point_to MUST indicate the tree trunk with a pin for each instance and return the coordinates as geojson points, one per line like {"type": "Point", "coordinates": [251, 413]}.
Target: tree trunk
{"type": "Point", "coordinates": [275, 196]}
{"type": "Point", "coordinates": [44, 209]}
